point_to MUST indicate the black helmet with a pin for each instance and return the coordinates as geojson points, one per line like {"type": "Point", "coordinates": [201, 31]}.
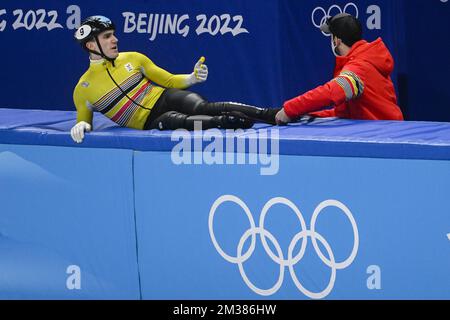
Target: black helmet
{"type": "Point", "coordinates": [92, 27]}
{"type": "Point", "coordinates": [89, 30]}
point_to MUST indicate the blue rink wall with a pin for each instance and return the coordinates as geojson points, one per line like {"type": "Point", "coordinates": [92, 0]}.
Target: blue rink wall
{"type": "Point", "coordinates": [88, 223]}
{"type": "Point", "coordinates": [65, 212]}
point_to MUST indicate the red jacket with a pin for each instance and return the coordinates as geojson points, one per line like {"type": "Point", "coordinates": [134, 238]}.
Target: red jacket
{"type": "Point", "coordinates": [362, 87]}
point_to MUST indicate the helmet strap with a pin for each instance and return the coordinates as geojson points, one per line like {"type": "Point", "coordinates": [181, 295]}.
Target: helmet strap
{"type": "Point", "coordinates": [101, 53]}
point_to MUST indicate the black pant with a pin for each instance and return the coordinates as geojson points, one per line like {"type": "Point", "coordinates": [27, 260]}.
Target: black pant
{"type": "Point", "coordinates": [181, 109]}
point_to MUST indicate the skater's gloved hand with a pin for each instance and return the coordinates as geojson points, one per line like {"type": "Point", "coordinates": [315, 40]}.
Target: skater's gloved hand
{"type": "Point", "coordinates": [78, 130]}
{"type": "Point", "coordinates": [200, 73]}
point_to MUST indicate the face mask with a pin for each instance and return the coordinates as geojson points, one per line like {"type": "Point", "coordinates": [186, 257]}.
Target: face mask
{"type": "Point", "coordinates": [334, 48]}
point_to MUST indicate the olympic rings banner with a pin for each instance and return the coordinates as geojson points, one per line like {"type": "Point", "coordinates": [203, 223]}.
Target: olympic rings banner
{"type": "Point", "coordinates": [291, 260]}
{"type": "Point", "coordinates": [258, 52]}
{"type": "Point", "coordinates": [322, 228]}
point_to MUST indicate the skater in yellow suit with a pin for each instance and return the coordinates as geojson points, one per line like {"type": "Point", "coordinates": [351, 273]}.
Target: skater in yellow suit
{"type": "Point", "coordinates": [134, 92]}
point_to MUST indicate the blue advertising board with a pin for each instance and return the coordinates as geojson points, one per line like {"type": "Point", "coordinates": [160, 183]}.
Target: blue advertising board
{"type": "Point", "coordinates": [322, 227]}
{"type": "Point", "coordinates": [258, 52]}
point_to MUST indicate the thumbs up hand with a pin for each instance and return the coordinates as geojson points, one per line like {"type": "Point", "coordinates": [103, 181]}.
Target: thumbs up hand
{"type": "Point", "coordinates": [200, 73]}
{"type": "Point", "coordinates": [201, 70]}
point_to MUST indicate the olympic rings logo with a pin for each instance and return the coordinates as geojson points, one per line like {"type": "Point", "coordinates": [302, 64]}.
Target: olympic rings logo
{"type": "Point", "coordinates": [291, 261]}
{"type": "Point", "coordinates": [332, 11]}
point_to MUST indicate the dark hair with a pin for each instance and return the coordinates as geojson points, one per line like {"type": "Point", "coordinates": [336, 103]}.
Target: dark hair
{"type": "Point", "coordinates": [347, 28]}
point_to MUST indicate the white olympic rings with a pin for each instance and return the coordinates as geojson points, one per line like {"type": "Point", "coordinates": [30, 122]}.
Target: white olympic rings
{"type": "Point", "coordinates": [291, 261]}
{"type": "Point", "coordinates": [328, 14]}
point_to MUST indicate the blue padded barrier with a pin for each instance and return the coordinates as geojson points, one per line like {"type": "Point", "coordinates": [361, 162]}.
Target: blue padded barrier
{"type": "Point", "coordinates": [322, 137]}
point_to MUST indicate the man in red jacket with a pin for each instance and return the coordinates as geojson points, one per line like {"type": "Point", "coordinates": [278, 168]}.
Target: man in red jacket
{"type": "Point", "coordinates": [361, 88]}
